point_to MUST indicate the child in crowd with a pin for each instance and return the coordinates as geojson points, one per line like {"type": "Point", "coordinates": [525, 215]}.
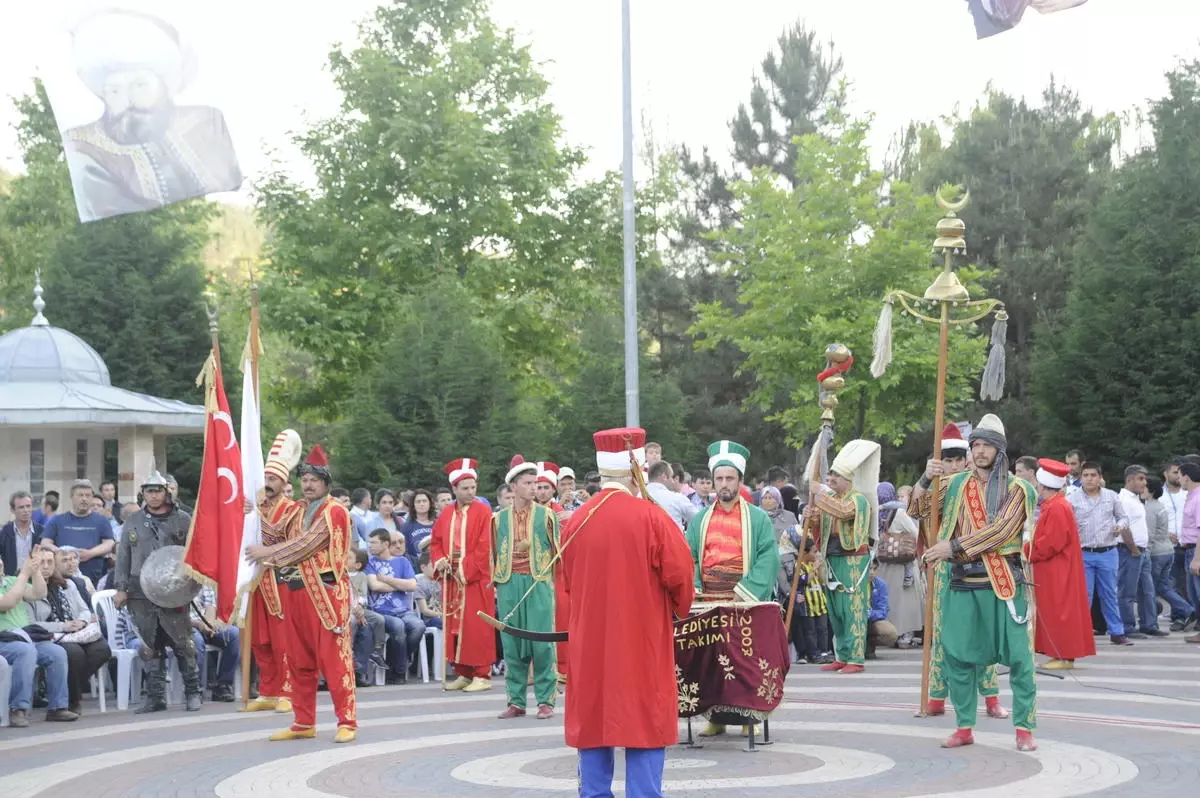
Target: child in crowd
{"type": "Point", "coordinates": [368, 633]}
{"type": "Point", "coordinates": [429, 594]}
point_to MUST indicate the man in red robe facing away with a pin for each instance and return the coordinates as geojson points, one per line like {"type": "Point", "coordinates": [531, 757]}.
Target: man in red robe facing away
{"type": "Point", "coordinates": [460, 547]}
{"type": "Point", "coordinates": [1064, 619]}
{"type": "Point", "coordinates": [628, 573]}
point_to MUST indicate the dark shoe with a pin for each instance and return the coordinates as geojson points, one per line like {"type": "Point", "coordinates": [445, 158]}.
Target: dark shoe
{"type": "Point", "coordinates": [802, 661]}
{"type": "Point", "coordinates": [871, 654]}
{"type": "Point", "coordinates": [1097, 633]}
{"type": "Point", "coordinates": [151, 706]}
{"type": "Point", "coordinates": [1156, 633]}
{"type": "Point", "coordinates": [61, 716]}
{"type": "Point", "coordinates": [76, 709]}
{"type": "Point", "coordinates": [1120, 640]}
{"type": "Point", "coordinates": [361, 680]}
{"type": "Point", "coordinates": [19, 718]}
{"type": "Point", "coordinates": [511, 712]}
{"type": "Point", "coordinates": [223, 693]}
{"type": "Point", "coordinates": [1178, 626]}
{"type": "Point", "coordinates": [377, 658]}
{"type": "Point", "coordinates": [545, 712]}
{"type": "Point", "coordinates": [1135, 635]}
{"type": "Point", "coordinates": [393, 678]}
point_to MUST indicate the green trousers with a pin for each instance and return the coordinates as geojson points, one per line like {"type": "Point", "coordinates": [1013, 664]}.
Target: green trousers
{"type": "Point", "coordinates": [848, 610]}
{"type": "Point", "coordinates": [988, 683]}
{"type": "Point", "coordinates": [535, 613]}
{"type": "Point", "coordinates": [979, 631]}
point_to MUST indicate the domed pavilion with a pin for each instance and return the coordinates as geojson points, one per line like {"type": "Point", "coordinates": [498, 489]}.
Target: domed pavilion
{"type": "Point", "coordinates": [58, 407]}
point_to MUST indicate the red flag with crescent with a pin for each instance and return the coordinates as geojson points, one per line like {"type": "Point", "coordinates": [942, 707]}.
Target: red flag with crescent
{"type": "Point", "coordinates": [215, 538]}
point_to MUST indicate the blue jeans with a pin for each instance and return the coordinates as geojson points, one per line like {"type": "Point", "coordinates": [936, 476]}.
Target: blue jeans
{"type": "Point", "coordinates": [1193, 581]}
{"type": "Point", "coordinates": [1137, 587]}
{"type": "Point", "coordinates": [228, 660]}
{"type": "Point", "coordinates": [1161, 567]}
{"type": "Point", "coordinates": [405, 632]}
{"type": "Point", "coordinates": [643, 772]}
{"type": "Point", "coordinates": [25, 659]}
{"type": "Point", "coordinates": [1100, 571]}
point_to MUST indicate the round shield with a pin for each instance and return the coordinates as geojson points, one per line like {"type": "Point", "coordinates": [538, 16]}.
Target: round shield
{"type": "Point", "coordinates": [164, 581]}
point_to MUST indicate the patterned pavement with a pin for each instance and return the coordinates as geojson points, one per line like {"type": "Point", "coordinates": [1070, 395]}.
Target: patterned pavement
{"type": "Point", "coordinates": [1126, 722]}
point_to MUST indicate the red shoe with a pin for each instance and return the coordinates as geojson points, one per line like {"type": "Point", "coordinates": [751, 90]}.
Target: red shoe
{"type": "Point", "coordinates": [545, 712]}
{"type": "Point", "coordinates": [994, 710]}
{"type": "Point", "coordinates": [852, 669]}
{"type": "Point", "coordinates": [960, 738]}
{"type": "Point", "coordinates": [511, 712]}
{"type": "Point", "coordinates": [937, 706]}
{"type": "Point", "coordinates": [1025, 741]}
{"type": "Point", "coordinates": [833, 666]}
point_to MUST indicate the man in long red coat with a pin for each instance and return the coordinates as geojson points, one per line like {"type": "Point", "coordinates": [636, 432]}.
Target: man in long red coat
{"type": "Point", "coordinates": [1064, 619]}
{"type": "Point", "coordinates": [461, 550]}
{"type": "Point", "coordinates": [628, 573]}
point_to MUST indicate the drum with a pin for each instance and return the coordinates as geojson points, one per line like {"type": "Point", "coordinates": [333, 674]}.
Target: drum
{"type": "Point", "coordinates": [731, 660]}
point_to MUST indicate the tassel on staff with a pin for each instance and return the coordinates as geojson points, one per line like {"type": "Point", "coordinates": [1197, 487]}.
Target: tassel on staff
{"type": "Point", "coordinates": [991, 386]}
{"type": "Point", "coordinates": [882, 341]}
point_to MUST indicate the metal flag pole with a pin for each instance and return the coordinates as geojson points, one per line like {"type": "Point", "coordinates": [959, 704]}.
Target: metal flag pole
{"type": "Point", "coordinates": [947, 292]}
{"type": "Point", "coordinates": [632, 414]}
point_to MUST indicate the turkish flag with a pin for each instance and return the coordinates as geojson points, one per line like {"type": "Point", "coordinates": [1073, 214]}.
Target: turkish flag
{"type": "Point", "coordinates": [215, 539]}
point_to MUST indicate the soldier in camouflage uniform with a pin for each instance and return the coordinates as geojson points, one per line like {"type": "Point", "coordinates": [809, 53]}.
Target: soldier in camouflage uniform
{"type": "Point", "coordinates": [158, 523]}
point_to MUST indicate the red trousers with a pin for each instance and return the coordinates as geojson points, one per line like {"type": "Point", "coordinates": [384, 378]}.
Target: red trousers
{"type": "Point", "coordinates": [268, 635]}
{"type": "Point", "coordinates": [311, 648]}
{"type": "Point", "coordinates": [473, 671]}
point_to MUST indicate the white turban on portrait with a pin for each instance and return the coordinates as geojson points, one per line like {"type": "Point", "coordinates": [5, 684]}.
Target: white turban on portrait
{"type": "Point", "coordinates": [115, 39]}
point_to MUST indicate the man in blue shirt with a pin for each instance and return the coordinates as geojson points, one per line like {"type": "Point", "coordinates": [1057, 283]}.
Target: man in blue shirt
{"type": "Point", "coordinates": [880, 631]}
{"type": "Point", "coordinates": [391, 582]}
{"type": "Point", "coordinates": [87, 531]}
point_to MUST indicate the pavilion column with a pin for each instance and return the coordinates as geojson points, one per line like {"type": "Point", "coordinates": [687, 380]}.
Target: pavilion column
{"type": "Point", "coordinates": [160, 454]}
{"type": "Point", "coordinates": [135, 456]}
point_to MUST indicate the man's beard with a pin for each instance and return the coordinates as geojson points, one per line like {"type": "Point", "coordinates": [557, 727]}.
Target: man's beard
{"type": "Point", "coordinates": [727, 494]}
{"type": "Point", "coordinates": [138, 125]}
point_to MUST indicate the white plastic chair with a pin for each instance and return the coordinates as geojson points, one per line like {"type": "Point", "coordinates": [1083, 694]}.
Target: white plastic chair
{"type": "Point", "coordinates": [439, 661]}
{"type": "Point", "coordinates": [104, 607]}
{"type": "Point", "coordinates": [5, 689]}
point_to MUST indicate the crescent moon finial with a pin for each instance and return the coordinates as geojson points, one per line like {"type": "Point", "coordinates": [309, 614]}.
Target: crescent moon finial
{"type": "Point", "coordinates": [953, 207]}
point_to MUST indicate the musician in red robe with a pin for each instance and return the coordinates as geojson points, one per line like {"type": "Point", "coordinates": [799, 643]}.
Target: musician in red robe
{"type": "Point", "coordinates": [461, 550]}
{"type": "Point", "coordinates": [628, 573]}
{"type": "Point", "coordinates": [1064, 618]}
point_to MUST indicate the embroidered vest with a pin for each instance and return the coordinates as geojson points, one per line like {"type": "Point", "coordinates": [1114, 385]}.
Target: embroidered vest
{"type": "Point", "coordinates": [543, 543]}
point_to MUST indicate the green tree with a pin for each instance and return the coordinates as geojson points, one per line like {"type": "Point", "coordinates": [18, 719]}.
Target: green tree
{"type": "Point", "coordinates": [813, 265]}
{"type": "Point", "coordinates": [1120, 379]}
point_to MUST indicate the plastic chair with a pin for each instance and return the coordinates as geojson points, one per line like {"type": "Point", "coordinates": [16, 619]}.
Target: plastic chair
{"type": "Point", "coordinates": [439, 664]}
{"type": "Point", "coordinates": [104, 607]}
{"type": "Point", "coordinates": [5, 689]}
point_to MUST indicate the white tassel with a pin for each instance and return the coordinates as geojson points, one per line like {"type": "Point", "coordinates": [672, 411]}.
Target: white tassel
{"type": "Point", "coordinates": [991, 387]}
{"type": "Point", "coordinates": [882, 341]}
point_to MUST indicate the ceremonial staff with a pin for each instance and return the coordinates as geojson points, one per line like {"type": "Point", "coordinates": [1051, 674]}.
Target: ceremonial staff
{"type": "Point", "coordinates": [838, 360]}
{"type": "Point", "coordinates": [946, 293]}
{"type": "Point", "coordinates": [254, 348]}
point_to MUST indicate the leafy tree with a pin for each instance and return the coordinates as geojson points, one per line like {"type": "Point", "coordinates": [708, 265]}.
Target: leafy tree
{"type": "Point", "coordinates": [1120, 379]}
{"type": "Point", "coordinates": [813, 265]}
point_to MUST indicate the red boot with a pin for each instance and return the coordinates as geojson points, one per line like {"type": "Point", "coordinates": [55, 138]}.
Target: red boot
{"type": "Point", "coordinates": [960, 738]}
{"type": "Point", "coordinates": [937, 706]}
{"type": "Point", "coordinates": [1025, 740]}
{"type": "Point", "coordinates": [994, 710]}
{"type": "Point", "coordinates": [852, 669]}
{"type": "Point", "coordinates": [833, 666]}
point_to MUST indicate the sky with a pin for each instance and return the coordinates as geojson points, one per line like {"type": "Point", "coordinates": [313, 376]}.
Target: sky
{"type": "Point", "coordinates": [263, 62]}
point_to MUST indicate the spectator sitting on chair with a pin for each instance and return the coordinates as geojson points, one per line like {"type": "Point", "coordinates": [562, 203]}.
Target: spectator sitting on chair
{"type": "Point", "coordinates": [429, 594]}
{"type": "Point", "coordinates": [63, 612]}
{"type": "Point", "coordinates": [369, 633]}
{"type": "Point", "coordinates": [71, 564]}
{"type": "Point", "coordinates": [23, 654]}
{"type": "Point", "coordinates": [208, 631]}
{"type": "Point", "coordinates": [880, 631]}
{"type": "Point", "coordinates": [391, 582]}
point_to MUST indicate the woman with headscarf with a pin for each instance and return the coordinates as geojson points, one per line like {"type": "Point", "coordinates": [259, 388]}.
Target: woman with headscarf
{"type": "Point", "coordinates": [771, 501]}
{"type": "Point", "coordinates": [897, 564]}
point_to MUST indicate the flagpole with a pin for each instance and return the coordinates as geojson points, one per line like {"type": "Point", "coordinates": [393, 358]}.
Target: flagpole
{"type": "Point", "coordinates": [248, 623]}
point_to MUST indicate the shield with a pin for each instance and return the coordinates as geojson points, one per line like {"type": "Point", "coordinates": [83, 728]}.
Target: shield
{"type": "Point", "coordinates": [163, 580]}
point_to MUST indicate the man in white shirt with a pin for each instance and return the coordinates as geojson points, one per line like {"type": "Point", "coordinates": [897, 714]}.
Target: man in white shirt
{"type": "Point", "coordinates": [1173, 499]}
{"type": "Point", "coordinates": [662, 490]}
{"type": "Point", "coordinates": [1135, 577]}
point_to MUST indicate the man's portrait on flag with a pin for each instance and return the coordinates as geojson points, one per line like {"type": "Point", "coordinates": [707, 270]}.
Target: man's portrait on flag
{"type": "Point", "coordinates": [146, 148]}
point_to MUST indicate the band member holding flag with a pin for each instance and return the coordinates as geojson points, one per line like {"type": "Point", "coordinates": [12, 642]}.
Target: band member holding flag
{"type": "Point", "coordinates": [279, 519]}
{"type": "Point", "coordinates": [312, 567]}
{"type": "Point", "coordinates": [461, 550]}
{"type": "Point", "coordinates": [621, 627]}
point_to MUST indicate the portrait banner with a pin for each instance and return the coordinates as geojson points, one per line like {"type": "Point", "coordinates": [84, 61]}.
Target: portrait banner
{"type": "Point", "coordinates": [731, 658]}
{"type": "Point", "coordinates": [136, 131]}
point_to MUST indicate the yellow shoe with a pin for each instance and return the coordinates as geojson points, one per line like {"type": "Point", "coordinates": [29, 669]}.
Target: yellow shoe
{"type": "Point", "coordinates": [1060, 665]}
{"type": "Point", "coordinates": [260, 705]}
{"type": "Point", "coordinates": [712, 730]}
{"type": "Point", "coordinates": [459, 684]}
{"type": "Point", "coordinates": [478, 685]}
{"type": "Point", "coordinates": [283, 705]}
{"type": "Point", "coordinates": [345, 735]}
{"type": "Point", "coordinates": [294, 734]}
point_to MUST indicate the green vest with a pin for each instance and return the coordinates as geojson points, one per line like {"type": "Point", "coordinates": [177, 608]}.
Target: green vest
{"type": "Point", "coordinates": [542, 545]}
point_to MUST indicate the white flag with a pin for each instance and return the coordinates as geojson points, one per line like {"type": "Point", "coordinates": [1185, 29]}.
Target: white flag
{"type": "Point", "coordinates": [253, 478]}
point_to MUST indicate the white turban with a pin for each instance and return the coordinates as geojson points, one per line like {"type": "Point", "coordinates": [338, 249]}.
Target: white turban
{"type": "Point", "coordinates": [114, 39]}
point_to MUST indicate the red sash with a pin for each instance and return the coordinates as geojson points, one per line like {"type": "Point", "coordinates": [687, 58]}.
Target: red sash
{"type": "Point", "coordinates": [998, 571]}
